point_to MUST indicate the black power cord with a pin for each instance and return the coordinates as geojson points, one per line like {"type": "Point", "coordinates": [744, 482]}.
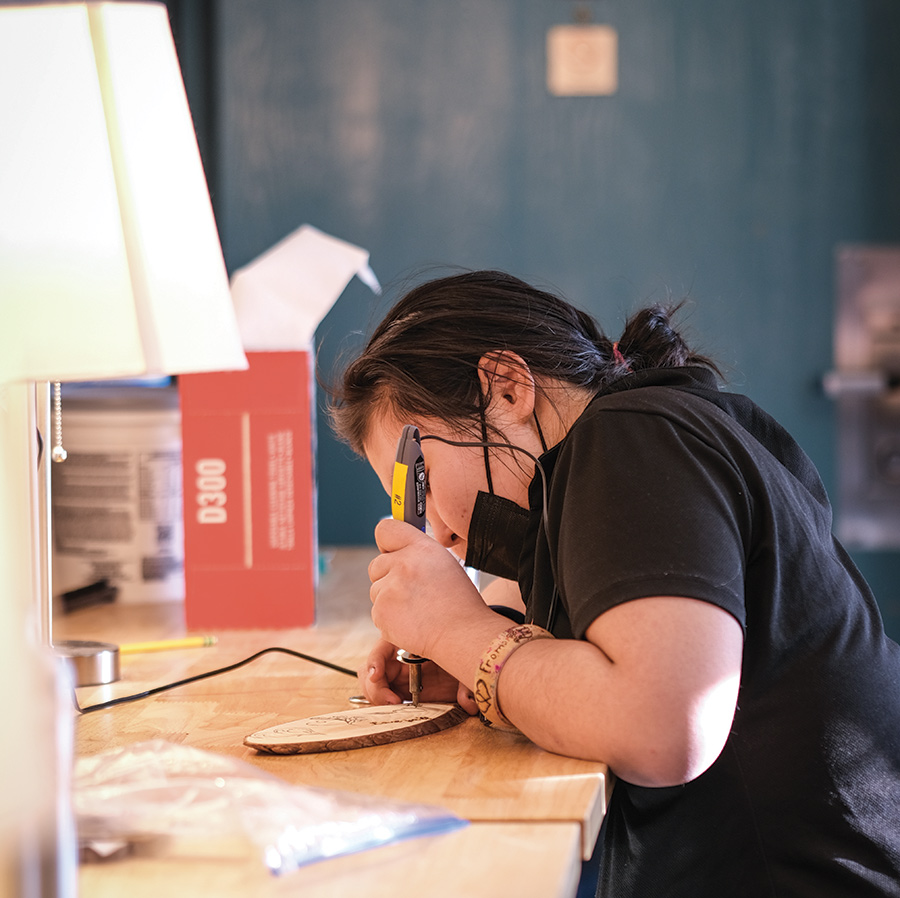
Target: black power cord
{"type": "Point", "coordinates": [211, 673]}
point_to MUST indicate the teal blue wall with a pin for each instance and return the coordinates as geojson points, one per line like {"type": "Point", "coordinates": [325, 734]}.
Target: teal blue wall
{"type": "Point", "coordinates": [747, 140]}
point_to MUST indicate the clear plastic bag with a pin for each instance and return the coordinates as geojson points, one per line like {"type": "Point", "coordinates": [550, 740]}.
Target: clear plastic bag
{"type": "Point", "coordinates": [160, 789]}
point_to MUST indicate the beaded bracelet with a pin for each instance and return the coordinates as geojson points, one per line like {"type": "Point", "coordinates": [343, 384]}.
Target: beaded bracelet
{"type": "Point", "coordinates": [488, 672]}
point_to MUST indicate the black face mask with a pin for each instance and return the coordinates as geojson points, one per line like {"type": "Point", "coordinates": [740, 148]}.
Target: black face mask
{"type": "Point", "coordinates": [498, 526]}
{"type": "Point", "coordinates": [496, 535]}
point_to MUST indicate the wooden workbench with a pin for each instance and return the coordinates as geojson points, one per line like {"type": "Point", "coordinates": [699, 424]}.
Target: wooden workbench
{"type": "Point", "coordinates": [534, 814]}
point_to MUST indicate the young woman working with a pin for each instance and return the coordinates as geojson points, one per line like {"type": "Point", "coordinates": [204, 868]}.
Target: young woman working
{"type": "Point", "coordinates": [711, 641]}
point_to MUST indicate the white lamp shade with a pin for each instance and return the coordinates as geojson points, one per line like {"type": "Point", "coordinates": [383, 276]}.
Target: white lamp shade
{"type": "Point", "coordinates": [110, 262]}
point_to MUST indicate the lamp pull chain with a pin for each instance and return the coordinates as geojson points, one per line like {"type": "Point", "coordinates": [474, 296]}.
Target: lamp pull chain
{"type": "Point", "coordinates": [58, 453]}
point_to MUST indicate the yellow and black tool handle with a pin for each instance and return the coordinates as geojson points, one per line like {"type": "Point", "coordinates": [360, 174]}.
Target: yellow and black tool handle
{"type": "Point", "coordinates": [408, 504]}
{"type": "Point", "coordinates": [408, 485]}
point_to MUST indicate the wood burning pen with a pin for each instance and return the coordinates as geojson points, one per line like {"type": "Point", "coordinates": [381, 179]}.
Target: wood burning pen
{"type": "Point", "coordinates": [408, 504]}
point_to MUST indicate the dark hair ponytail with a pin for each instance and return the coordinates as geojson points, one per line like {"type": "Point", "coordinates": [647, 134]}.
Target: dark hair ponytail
{"type": "Point", "coordinates": [651, 341]}
{"type": "Point", "coordinates": [422, 360]}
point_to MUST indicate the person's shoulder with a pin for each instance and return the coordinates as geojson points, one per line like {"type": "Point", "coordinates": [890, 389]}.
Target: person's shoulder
{"type": "Point", "coordinates": [656, 385]}
{"type": "Point", "coordinates": [643, 398]}
{"type": "Point", "coordinates": [654, 398]}
{"type": "Point", "coordinates": [665, 399]}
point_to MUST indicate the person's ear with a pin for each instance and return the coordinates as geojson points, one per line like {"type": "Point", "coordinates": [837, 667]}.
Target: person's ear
{"type": "Point", "coordinates": [507, 386]}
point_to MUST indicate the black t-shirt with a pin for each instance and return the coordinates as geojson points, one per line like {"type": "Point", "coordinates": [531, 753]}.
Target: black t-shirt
{"type": "Point", "coordinates": [666, 486]}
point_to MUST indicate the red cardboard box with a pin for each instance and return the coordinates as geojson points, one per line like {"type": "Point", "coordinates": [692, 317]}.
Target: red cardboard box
{"type": "Point", "coordinates": [249, 496]}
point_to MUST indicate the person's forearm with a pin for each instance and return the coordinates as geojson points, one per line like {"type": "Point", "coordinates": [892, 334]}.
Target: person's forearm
{"type": "Point", "coordinates": [561, 694]}
{"type": "Point", "coordinates": [548, 688]}
{"type": "Point", "coordinates": [568, 697]}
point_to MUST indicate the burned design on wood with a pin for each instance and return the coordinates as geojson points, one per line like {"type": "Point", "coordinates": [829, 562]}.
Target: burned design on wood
{"type": "Point", "coordinates": [344, 730]}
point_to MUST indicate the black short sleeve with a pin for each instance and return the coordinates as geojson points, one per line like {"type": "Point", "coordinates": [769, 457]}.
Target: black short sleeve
{"type": "Point", "coordinates": [666, 486]}
{"type": "Point", "coordinates": [652, 506]}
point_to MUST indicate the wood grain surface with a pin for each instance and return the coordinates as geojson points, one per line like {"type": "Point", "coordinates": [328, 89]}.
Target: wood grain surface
{"type": "Point", "coordinates": [476, 772]}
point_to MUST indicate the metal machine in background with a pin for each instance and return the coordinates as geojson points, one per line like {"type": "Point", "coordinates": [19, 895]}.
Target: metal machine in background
{"type": "Point", "coordinates": [866, 387]}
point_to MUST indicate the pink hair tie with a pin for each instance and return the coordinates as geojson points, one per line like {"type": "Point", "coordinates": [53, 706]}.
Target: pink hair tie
{"type": "Point", "coordinates": [617, 354]}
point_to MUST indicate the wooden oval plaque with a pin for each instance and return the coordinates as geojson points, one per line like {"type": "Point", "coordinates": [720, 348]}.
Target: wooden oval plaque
{"type": "Point", "coordinates": [356, 728]}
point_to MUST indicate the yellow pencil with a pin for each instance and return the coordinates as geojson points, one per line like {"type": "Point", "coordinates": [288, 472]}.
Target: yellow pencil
{"type": "Point", "coordinates": [161, 645]}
